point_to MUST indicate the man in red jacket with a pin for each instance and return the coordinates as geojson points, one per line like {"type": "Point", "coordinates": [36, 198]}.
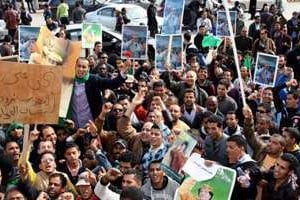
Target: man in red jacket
{"type": "Point", "coordinates": [11, 18]}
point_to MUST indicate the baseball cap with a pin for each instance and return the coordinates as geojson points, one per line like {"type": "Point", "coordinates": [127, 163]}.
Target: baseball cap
{"type": "Point", "coordinates": [82, 179]}
{"type": "Point", "coordinates": [130, 79]}
{"type": "Point", "coordinates": [122, 142]}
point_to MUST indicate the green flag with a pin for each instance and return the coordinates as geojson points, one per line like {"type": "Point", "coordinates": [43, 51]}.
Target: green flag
{"type": "Point", "coordinates": [211, 41]}
{"type": "Point", "coordinates": [247, 61]}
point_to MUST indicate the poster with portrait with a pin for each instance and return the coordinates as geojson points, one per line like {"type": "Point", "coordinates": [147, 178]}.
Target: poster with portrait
{"type": "Point", "coordinates": [222, 24]}
{"type": "Point", "coordinates": [91, 32]}
{"type": "Point", "coordinates": [173, 14]}
{"type": "Point", "coordinates": [134, 44]}
{"type": "Point", "coordinates": [168, 50]}
{"type": "Point", "coordinates": [177, 155]}
{"type": "Point", "coordinates": [265, 69]}
{"type": "Point", "coordinates": [51, 50]}
{"type": "Point", "coordinates": [202, 182]}
{"type": "Point", "coordinates": [27, 36]}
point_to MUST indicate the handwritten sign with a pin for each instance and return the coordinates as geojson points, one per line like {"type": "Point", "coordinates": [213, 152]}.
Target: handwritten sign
{"type": "Point", "coordinates": [29, 93]}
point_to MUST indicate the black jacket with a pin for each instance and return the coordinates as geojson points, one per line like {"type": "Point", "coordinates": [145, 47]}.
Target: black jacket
{"type": "Point", "coordinates": [93, 87]}
{"type": "Point", "coordinates": [285, 191]}
{"type": "Point", "coordinates": [249, 193]}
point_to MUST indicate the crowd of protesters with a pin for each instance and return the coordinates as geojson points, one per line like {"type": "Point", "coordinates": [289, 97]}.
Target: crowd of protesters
{"type": "Point", "coordinates": [124, 115]}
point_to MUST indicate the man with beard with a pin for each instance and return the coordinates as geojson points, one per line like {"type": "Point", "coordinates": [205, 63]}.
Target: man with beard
{"type": "Point", "coordinates": [190, 110]}
{"type": "Point", "coordinates": [284, 73]}
{"type": "Point", "coordinates": [57, 185]}
{"type": "Point", "coordinates": [178, 88]}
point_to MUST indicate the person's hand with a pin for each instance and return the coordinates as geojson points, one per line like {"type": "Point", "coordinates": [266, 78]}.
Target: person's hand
{"type": "Point", "coordinates": [23, 170]}
{"type": "Point", "coordinates": [247, 112]}
{"type": "Point", "coordinates": [101, 173]}
{"type": "Point", "coordinates": [1, 196]}
{"type": "Point", "coordinates": [123, 68]}
{"type": "Point", "coordinates": [106, 108]}
{"type": "Point", "coordinates": [139, 97]}
{"type": "Point", "coordinates": [81, 132]}
{"type": "Point", "coordinates": [43, 196]}
{"type": "Point", "coordinates": [95, 145]}
{"type": "Point", "coordinates": [113, 174]}
{"type": "Point", "coordinates": [244, 180]}
{"type": "Point", "coordinates": [91, 128]}
{"type": "Point", "coordinates": [91, 177]}
{"type": "Point", "coordinates": [171, 138]}
{"type": "Point", "coordinates": [107, 93]}
{"type": "Point", "coordinates": [168, 67]}
{"type": "Point", "coordinates": [209, 163]}
{"type": "Point", "coordinates": [292, 82]}
{"type": "Point", "coordinates": [69, 123]}
{"type": "Point", "coordinates": [34, 134]}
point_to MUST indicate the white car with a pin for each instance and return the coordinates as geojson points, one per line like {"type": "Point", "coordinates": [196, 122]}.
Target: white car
{"type": "Point", "coordinates": [3, 30]}
{"type": "Point", "coordinates": [259, 4]}
{"type": "Point", "coordinates": [107, 15]}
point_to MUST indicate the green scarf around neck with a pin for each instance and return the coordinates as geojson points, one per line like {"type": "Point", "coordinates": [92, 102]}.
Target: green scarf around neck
{"type": "Point", "coordinates": [83, 79]}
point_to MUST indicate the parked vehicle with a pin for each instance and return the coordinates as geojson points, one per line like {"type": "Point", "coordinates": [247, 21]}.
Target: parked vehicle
{"type": "Point", "coordinates": [3, 30]}
{"type": "Point", "coordinates": [106, 15]}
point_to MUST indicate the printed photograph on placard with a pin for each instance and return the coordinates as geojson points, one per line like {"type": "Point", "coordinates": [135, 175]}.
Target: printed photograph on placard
{"type": "Point", "coordinates": [222, 25]}
{"type": "Point", "coordinates": [91, 32]}
{"type": "Point", "coordinates": [134, 44]}
{"type": "Point", "coordinates": [177, 155]}
{"type": "Point", "coordinates": [265, 69]}
{"type": "Point", "coordinates": [168, 50]}
{"type": "Point", "coordinates": [173, 13]}
{"type": "Point", "coordinates": [27, 36]}
{"type": "Point", "coordinates": [203, 182]}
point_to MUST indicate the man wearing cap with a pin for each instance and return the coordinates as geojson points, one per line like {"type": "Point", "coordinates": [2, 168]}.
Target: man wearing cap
{"type": "Point", "coordinates": [126, 89]}
{"type": "Point", "coordinates": [84, 188]}
{"type": "Point", "coordinates": [15, 133]}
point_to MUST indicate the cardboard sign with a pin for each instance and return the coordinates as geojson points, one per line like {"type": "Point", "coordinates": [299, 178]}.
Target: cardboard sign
{"type": "Point", "coordinates": [29, 93]}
